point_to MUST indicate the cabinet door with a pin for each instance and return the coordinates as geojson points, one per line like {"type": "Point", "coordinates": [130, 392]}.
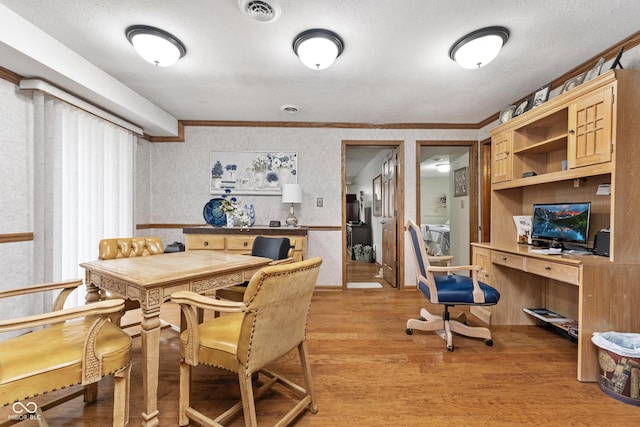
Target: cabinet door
{"type": "Point", "coordinates": [501, 166]}
{"type": "Point", "coordinates": [590, 129]}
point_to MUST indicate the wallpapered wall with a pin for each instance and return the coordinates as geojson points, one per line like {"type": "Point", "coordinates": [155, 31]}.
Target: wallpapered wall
{"type": "Point", "coordinates": [178, 179]}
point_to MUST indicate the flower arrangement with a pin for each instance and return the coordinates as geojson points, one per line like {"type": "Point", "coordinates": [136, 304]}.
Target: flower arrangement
{"type": "Point", "coordinates": [216, 170]}
{"type": "Point", "coordinates": [229, 203]}
{"type": "Point", "coordinates": [272, 177]}
{"type": "Point", "coordinates": [260, 163]}
{"type": "Point", "coordinates": [282, 160]}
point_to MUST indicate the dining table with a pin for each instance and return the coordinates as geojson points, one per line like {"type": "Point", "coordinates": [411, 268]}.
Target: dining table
{"type": "Point", "coordinates": [151, 280]}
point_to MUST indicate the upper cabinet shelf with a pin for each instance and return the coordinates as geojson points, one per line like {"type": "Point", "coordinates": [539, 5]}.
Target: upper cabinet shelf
{"type": "Point", "coordinates": [572, 131]}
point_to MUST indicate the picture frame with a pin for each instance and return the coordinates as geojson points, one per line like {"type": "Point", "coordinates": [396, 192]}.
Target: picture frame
{"type": "Point", "coordinates": [507, 113]}
{"type": "Point", "coordinates": [595, 71]}
{"type": "Point", "coordinates": [541, 95]}
{"type": "Point", "coordinates": [252, 172]}
{"type": "Point", "coordinates": [377, 196]}
{"type": "Point", "coordinates": [460, 182]}
{"type": "Point", "coordinates": [573, 82]}
{"type": "Point", "coordinates": [522, 107]}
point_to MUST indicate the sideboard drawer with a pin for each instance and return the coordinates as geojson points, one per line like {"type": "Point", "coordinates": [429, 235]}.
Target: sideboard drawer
{"type": "Point", "coordinates": [237, 243]}
{"type": "Point", "coordinates": [204, 241]}
{"type": "Point", "coordinates": [507, 259]}
{"type": "Point", "coordinates": [554, 270]}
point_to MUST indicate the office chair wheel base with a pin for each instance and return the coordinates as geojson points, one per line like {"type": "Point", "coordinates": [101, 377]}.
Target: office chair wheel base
{"type": "Point", "coordinates": [489, 343]}
{"type": "Point", "coordinates": [450, 347]}
{"type": "Point", "coordinates": [409, 331]}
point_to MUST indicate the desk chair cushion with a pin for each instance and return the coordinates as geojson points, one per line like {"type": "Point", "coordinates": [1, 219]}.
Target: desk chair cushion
{"type": "Point", "coordinates": [458, 290]}
{"type": "Point", "coordinates": [129, 247]}
{"type": "Point", "coordinates": [26, 361]}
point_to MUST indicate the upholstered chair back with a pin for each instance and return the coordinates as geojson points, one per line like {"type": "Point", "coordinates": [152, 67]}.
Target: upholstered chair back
{"type": "Point", "coordinates": [130, 247]}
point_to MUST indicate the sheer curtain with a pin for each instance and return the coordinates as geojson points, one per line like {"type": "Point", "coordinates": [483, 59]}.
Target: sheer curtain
{"type": "Point", "coordinates": [83, 187]}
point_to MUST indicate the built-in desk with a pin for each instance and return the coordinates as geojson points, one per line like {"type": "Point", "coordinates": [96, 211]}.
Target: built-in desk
{"type": "Point", "coordinates": [599, 294]}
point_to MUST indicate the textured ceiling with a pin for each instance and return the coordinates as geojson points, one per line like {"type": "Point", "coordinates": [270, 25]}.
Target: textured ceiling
{"type": "Point", "coordinates": [395, 67]}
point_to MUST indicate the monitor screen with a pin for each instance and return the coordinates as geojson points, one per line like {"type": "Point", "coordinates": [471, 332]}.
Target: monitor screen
{"type": "Point", "coordinates": [561, 222]}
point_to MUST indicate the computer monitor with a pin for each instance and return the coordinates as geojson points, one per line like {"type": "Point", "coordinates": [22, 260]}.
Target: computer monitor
{"type": "Point", "coordinates": [554, 224]}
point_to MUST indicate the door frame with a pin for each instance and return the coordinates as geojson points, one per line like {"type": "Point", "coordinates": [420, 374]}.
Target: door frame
{"type": "Point", "coordinates": [399, 145]}
{"type": "Point", "coordinates": [472, 177]}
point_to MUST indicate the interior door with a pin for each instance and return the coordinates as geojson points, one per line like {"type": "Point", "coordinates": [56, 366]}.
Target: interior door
{"type": "Point", "coordinates": [389, 219]}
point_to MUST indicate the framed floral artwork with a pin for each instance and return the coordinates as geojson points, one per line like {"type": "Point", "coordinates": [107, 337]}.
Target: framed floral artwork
{"type": "Point", "coordinates": [248, 172]}
{"type": "Point", "coordinates": [460, 182]}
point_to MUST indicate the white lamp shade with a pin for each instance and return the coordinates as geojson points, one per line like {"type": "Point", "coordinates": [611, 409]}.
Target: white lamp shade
{"type": "Point", "coordinates": [480, 47]}
{"type": "Point", "coordinates": [155, 46]}
{"type": "Point", "coordinates": [292, 193]}
{"type": "Point", "coordinates": [317, 53]}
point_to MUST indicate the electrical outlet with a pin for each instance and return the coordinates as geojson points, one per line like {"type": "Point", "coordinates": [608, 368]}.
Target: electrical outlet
{"type": "Point", "coordinates": [319, 202]}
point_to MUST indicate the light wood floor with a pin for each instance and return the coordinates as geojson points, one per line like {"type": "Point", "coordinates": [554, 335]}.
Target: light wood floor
{"type": "Point", "coordinates": [368, 372]}
{"type": "Point", "coordinates": [358, 271]}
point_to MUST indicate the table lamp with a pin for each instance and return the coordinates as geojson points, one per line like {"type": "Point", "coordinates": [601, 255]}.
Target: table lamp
{"type": "Point", "coordinates": [292, 193]}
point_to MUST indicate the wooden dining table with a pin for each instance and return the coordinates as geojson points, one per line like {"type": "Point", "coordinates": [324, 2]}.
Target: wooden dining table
{"type": "Point", "coordinates": [151, 280]}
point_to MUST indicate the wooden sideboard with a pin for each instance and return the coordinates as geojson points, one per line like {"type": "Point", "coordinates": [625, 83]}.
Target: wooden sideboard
{"type": "Point", "coordinates": [574, 142]}
{"type": "Point", "coordinates": [237, 240]}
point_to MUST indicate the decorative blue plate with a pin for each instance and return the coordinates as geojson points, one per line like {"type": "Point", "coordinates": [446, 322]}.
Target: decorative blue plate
{"type": "Point", "coordinates": [213, 214]}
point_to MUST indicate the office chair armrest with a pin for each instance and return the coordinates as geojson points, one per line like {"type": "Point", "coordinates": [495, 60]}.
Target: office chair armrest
{"type": "Point", "coordinates": [66, 287]}
{"type": "Point", "coordinates": [101, 308]}
{"type": "Point", "coordinates": [188, 302]}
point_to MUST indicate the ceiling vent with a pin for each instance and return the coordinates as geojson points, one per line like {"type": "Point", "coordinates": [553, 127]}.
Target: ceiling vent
{"type": "Point", "coordinates": [291, 109]}
{"type": "Point", "coordinates": [260, 10]}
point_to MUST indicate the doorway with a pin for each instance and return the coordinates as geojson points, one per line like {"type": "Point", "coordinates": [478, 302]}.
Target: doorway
{"type": "Point", "coordinates": [446, 191]}
{"type": "Point", "coordinates": [372, 180]}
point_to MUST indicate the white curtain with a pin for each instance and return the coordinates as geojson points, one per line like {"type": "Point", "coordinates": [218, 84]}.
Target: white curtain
{"type": "Point", "coordinates": [83, 188]}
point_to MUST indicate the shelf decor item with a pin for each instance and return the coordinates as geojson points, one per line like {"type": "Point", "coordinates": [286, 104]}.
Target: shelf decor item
{"type": "Point", "coordinates": [541, 95]}
{"type": "Point", "coordinates": [573, 82]}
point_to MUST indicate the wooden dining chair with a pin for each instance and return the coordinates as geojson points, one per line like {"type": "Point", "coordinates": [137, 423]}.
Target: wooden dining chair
{"type": "Point", "coordinates": [268, 324]}
{"type": "Point", "coordinates": [77, 346]}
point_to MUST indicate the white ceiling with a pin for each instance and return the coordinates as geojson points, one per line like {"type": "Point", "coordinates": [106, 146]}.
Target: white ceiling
{"type": "Point", "coordinates": [395, 67]}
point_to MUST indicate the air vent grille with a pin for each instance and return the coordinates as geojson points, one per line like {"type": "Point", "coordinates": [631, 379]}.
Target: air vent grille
{"type": "Point", "coordinates": [260, 10]}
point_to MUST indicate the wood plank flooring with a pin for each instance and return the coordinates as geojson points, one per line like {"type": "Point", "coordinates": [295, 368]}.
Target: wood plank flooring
{"type": "Point", "coordinates": [368, 372]}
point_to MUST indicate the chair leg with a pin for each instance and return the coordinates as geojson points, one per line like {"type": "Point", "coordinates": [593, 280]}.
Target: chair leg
{"type": "Point", "coordinates": [121, 388]}
{"type": "Point", "coordinates": [306, 372]}
{"type": "Point", "coordinates": [470, 331]}
{"type": "Point", "coordinates": [185, 385]}
{"type": "Point", "coordinates": [427, 322]}
{"type": "Point", "coordinates": [248, 402]}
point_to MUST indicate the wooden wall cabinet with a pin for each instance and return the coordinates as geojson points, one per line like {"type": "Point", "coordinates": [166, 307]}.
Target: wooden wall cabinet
{"type": "Point", "coordinates": [574, 142]}
{"type": "Point", "coordinates": [241, 241]}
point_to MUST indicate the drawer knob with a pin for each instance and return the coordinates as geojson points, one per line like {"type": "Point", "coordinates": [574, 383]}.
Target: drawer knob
{"type": "Point", "coordinates": [547, 267]}
{"type": "Point", "coordinates": [205, 243]}
{"type": "Point", "coordinates": [571, 131]}
{"type": "Point", "coordinates": [245, 244]}
{"type": "Point", "coordinates": [504, 258]}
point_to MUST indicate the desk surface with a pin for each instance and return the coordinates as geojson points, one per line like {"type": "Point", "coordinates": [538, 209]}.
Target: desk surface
{"type": "Point", "coordinates": [157, 270]}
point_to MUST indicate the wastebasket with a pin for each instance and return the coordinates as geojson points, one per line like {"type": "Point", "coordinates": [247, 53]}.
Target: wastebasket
{"type": "Point", "coordinates": [619, 358]}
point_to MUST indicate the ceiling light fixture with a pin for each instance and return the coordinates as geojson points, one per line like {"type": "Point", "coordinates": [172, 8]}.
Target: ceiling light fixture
{"type": "Point", "coordinates": [155, 45]}
{"type": "Point", "coordinates": [443, 167]}
{"type": "Point", "coordinates": [480, 47]}
{"type": "Point", "coordinates": [318, 48]}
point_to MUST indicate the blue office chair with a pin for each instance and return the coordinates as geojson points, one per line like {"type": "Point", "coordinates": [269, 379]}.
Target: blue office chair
{"type": "Point", "coordinates": [448, 290]}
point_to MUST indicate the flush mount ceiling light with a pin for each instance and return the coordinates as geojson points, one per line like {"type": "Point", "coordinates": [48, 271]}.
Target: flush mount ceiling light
{"type": "Point", "coordinates": [155, 45]}
{"type": "Point", "coordinates": [480, 47]}
{"type": "Point", "coordinates": [443, 167]}
{"type": "Point", "coordinates": [318, 48]}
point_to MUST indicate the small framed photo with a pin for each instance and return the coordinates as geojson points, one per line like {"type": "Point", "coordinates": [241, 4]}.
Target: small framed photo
{"type": "Point", "coordinates": [523, 106]}
{"type": "Point", "coordinates": [595, 71]}
{"type": "Point", "coordinates": [573, 82]}
{"type": "Point", "coordinates": [460, 182]}
{"type": "Point", "coordinates": [507, 113]}
{"type": "Point", "coordinates": [541, 95]}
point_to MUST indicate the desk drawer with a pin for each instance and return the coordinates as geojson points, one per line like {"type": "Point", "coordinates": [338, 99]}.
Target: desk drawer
{"type": "Point", "coordinates": [204, 241]}
{"type": "Point", "coordinates": [507, 259]}
{"type": "Point", "coordinates": [237, 243]}
{"type": "Point", "coordinates": [554, 270]}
